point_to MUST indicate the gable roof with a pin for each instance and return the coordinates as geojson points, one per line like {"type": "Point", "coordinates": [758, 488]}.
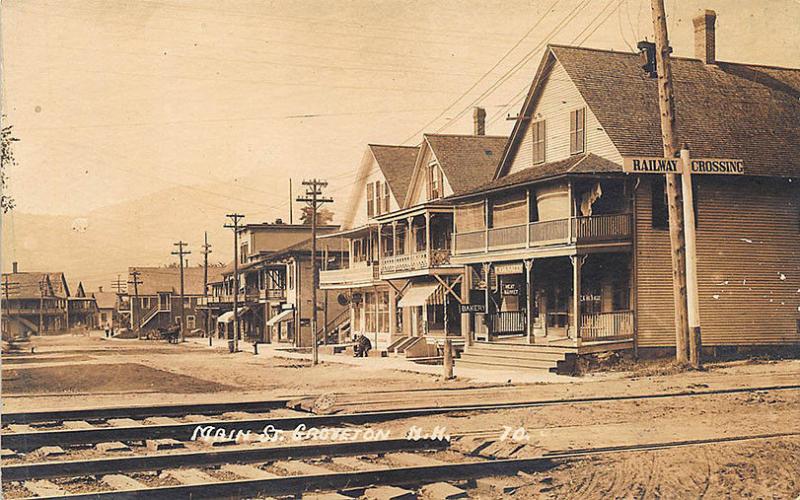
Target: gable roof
{"type": "Point", "coordinates": [168, 279]}
{"type": "Point", "coordinates": [27, 285]}
{"type": "Point", "coordinates": [585, 164]}
{"type": "Point", "coordinates": [727, 110]}
{"type": "Point", "coordinates": [59, 282]}
{"type": "Point", "coordinates": [105, 300]}
{"type": "Point", "coordinates": [397, 165]}
{"type": "Point", "coordinates": [467, 161]}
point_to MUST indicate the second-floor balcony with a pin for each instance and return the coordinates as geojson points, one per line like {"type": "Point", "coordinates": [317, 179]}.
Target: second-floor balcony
{"type": "Point", "coordinates": [356, 273]}
{"type": "Point", "coordinates": [567, 231]}
{"type": "Point", "coordinates": [414, 261]}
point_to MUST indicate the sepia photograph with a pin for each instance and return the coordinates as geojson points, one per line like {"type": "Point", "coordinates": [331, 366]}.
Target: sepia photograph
{"type": "Point", "coordinates": [400, 249]}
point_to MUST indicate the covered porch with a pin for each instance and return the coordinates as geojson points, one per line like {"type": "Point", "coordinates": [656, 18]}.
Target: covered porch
{"type": "Point", "coordinates": [566, 301]}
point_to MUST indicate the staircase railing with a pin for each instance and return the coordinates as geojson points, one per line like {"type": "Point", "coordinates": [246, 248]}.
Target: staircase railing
{"type": "Point", "coordinates": [148, 315]}
{"type": "Point", "coordinates": [342, 317]}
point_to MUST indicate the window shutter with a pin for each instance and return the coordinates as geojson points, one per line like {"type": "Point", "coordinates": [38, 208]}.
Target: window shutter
{"type": "Point", "coordinates": [386, 196]}
{"type": "Point", "coordinates": [370, 200]}
{"type": "Point", "coordinates": [577, 131]}
{"type": "Point", "coordinates": [378, 208]}
{"type": "Point", "coordinates": [537, 136]}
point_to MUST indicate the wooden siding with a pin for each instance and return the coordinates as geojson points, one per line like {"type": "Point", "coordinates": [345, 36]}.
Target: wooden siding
{"type": "Point", "coordinates": [559, 96]}
{"type": "Point", "coordinates": [418, 191]}
{"type": "Point", "coordinates": [369, 171]}
{"type": "Point", "coordinates": [748, 241]}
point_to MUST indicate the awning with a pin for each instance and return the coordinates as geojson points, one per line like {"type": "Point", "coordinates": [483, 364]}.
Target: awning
{"type": "Point", "coordinates": [417, 295]}
{"type": "Point", "coordinates": [280, 317]}
{"type": "Point", "coordinates": [228, 316]}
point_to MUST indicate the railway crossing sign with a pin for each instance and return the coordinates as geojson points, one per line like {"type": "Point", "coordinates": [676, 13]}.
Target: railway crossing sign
{"type": "Point", "coordinates": [656, 165]}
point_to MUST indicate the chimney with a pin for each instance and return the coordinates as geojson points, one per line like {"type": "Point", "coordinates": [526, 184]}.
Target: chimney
{"type": "Point", "coordinates": [479, 119]}
{"type": "Point", "coordinates": [15, 267]}
{"type": "Point", "coordinates": [704, 37]}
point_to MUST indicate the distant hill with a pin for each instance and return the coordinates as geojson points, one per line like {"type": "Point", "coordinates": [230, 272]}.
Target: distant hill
{"type": "Point", "coordinates": [94, 247]}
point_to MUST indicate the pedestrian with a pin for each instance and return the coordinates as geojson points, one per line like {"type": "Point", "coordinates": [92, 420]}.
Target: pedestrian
{"type": "Point", "coordinates": [108, 333]}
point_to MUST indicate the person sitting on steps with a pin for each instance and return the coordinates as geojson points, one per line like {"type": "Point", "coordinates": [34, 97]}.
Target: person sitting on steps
{"type": "Point", "coordinates": [362, 347]}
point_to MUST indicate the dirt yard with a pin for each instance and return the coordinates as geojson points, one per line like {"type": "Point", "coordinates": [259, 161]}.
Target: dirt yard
{"type": "Point", "coordinates": [86, 372]}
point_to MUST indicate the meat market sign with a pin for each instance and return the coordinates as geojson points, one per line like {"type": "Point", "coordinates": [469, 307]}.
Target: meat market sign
{"type": "Point", "coordinates": [653, 165]}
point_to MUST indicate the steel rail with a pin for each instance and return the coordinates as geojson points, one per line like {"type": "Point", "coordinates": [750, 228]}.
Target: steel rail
{"type": "Point", "coordinates": [141, 411]}
{"type": "Point", "coordinates": [394, 476]}
{"type": "Point", "coordinates": [26, 471]}
{"type": "Point", "coordinates": [25, 441]}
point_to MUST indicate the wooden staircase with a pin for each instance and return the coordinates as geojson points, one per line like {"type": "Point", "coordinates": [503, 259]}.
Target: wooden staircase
{"type": "Point", "coordinates": [517, 357]}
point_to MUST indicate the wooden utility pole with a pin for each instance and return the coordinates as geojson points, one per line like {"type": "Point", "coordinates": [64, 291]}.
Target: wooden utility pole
{"type": "Point", "coordinates": [118, 284]}
{"type": "Point", "coordinates": [180, 253]}
{"type": "Point", "coordinates": [42, 291]}
{"type": "Point", "coordinates": [314, 199]}
{"type": "Point", "coordinates": [235, 226]}
{"type": "Point", "coordinates": [666, 103]}
{"type": "Point", "coordinates": [135, 281]}
{"type": "Point", "coordinates": [693, 298]}
{"type": "Point", "coordinates": [8, 287]}
{"type": "Point", "coordinates": [291, 203]}
{"type": "Point", "coordinates": [206, 251]}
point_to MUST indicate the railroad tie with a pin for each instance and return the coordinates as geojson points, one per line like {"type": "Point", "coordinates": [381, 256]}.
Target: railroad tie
{"type": "Point", "coordinates": [388, 493]}
{"type": "Point", "coordinates": [237, 415]}
{"type": "Point", "coordinates": [357, 463]}
{"type": "Point", "coordinates": [78, 424]}
{"type": "Point", "coordinates": [188, 476]}
{"type": "Point", "coordinates": [442, 491]}
{"type": "Point", "coordinates": [405, 459]}
{"type": "Point", "coordinates": [123, 422]}
{"type": "Point", "coordinates": [20, 428]}
{"type": "Point", "coordinates": [217, 441]}
{"type": "Point", "coordinates": [6, 454]}
{"type": "Point", "coordinates": [44, 488]}
{"type": "Point", "coordinates": [163, 444]}
{"type": "Point", "coordinates": [247, 471]}
{"type": "Point", "coordinates": [50, 451]}
{"type": "Point", "coordinates": [160, 421]}
{"type": "Point", "coordinates": [122, 482]}
{"type": "Point", "coordinates": [295, 467]}
{"type": "Point", "coordinates": [112, 446]}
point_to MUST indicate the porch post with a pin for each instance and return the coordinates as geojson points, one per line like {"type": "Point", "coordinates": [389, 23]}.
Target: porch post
{"type": "Point", "coordinates": [428, 236]}
{"type": "Point", "coordinates": [394, 237]}
{"type": "Point", "coordinates": [487, 269]}
{"type": "Point", "coordinates": [411, 240]}
{"type": "Point", "coordinates": [528, 218]}
{"type": "Point", "coordinates": [577, 262]}
{"type": "Point", "coordinates": [466, 285]}
{"type": "Point", "coordinates": [392, 313]}
{"type": "Point", "coordinates": [444, 299]}
{"type": "Point", "coordinates": [529, 301]}
{"type": "Point", "coordinates": [380, 244]}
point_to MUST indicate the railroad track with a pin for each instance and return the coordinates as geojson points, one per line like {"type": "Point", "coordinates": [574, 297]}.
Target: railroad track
{"type": "Point", "coordinates": [353, 472]}
{"type": "Point", "coordinates": [179, 422]}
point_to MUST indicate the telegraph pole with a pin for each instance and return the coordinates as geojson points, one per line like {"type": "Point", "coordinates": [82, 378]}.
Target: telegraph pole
{"type": "Point", "coordinates": [314, 199]}
{"type": "Point", "coordinates": [666, 102]}
{"type": "Point", "coordinates": [135, 281]}
{"type": "Point", "coordinates": [8, 287]}
{"type": "Point", "coordinates": [235, 226]}
{"type": "Point", "coordinates": [180, 253]}
{"type": "Point", "coordinates": [693, 298]}
{"type": "Point", "coordinates": [42, 290]}
{"type": "Point", "coordinates": [206, 251]}
{"type": "Point", "coordinates": [118, 284]}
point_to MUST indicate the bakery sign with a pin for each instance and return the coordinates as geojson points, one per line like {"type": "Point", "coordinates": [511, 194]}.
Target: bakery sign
{"type": "Point", "coordinates": [655, 165]}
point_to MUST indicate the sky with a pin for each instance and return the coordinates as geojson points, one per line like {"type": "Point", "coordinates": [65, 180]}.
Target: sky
{"type": "Point", "coordinates": [116, 100]}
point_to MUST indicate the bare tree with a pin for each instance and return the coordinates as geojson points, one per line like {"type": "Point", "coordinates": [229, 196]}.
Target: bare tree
{"type": "Point", "coordinates": [7, 160]}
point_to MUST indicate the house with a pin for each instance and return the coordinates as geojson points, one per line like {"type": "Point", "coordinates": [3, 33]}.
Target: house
{"type": "Point", "coordinates": [564, 249]}
{"type": "Point", "coordinates": [81, 309]}
{"type": "Point", "coordinates": [274, 264]}
{"type": "Point", "coordinates": [33, 303]}
{"type": "Point", "coordinates": [107, 304]}
{"type": "Point", "coordinates": [399, 279]}
{"type": "Point", "coordinates": [159, 301]}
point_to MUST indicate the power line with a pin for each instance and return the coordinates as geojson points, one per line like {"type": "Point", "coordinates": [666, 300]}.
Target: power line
{"type": "Point", "coordinates": [135, 281]}
{"type": "Point", "coordinates": [180, 253]}
{"type": "Point", "coordinates": [235, 217]}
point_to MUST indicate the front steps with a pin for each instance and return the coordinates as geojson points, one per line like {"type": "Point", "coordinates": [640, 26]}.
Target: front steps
{"type": "Point", "coordinates": [517, 357]}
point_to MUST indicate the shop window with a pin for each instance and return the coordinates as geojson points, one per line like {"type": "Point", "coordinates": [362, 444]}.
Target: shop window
{"type": "Point", "coordinates": [660, 210]}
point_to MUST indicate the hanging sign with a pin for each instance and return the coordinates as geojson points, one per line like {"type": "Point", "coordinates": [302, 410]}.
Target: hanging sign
{"type": "Point", "coordinates": [514, 268]}
{"type": "Point", "coordinates": [510, 289]}
{"type": "Point", "coordinates": [655, 165]}
{"type": "Point", "coordinates": [473, 308]}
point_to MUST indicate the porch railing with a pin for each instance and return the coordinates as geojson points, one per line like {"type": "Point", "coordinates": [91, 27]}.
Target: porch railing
{"type": "Point", "coordinates": [414, 261]}
{"type": "Point", "coordinates": [572, 230]}
{"type": "Point", "coordinates": [614, 325]}
{"type": "Point", "coordinates": [357, 272]}
{"type": "Point", "coordinates": [507, 322]}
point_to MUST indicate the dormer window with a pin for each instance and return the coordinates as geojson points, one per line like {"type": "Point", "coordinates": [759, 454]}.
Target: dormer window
{"type": "Point", "coordinates": [435, 181]}
{"type": "Point", "coordinates": [577, 131]}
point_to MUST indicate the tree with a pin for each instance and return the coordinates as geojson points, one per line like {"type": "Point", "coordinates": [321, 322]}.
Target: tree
{"type": "Point", "coordinates": [6, 160]}
{"type": "Point", "coordinates": [324, 216]}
